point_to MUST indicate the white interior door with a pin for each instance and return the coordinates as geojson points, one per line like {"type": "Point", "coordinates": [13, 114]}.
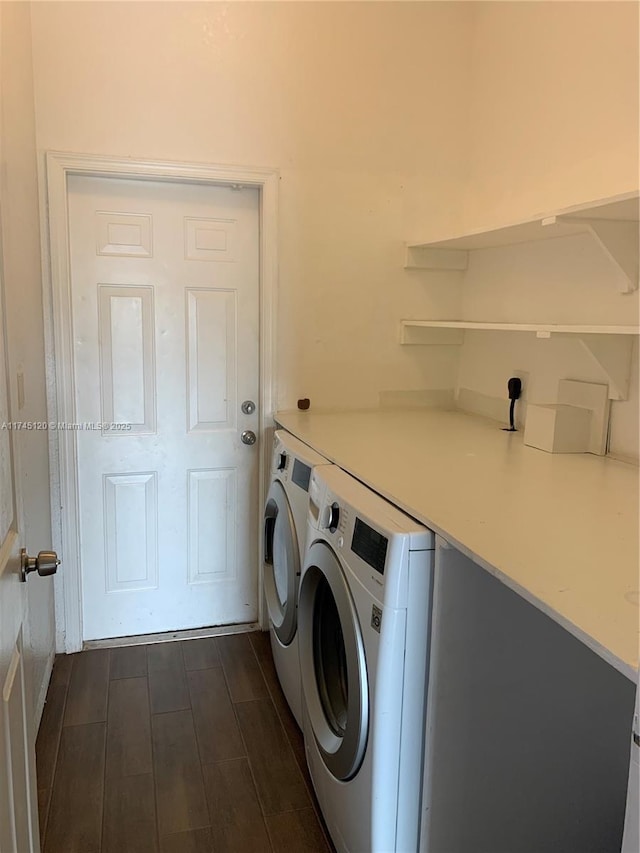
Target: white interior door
{"type": "Point", "coordinates": [18, 802]}
{"type": "Point", "coordinates": [165, 302]}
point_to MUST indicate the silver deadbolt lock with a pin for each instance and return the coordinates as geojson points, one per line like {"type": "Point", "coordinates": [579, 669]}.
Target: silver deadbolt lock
{"type": "Point", "coordinates": [248, 407]}
{"type": "Point", "coordinates": [45, 564]}
{"type": "Point", "coordinates": [248, 437]}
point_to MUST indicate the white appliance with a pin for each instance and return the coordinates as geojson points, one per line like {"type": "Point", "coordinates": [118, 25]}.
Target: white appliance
{"type": "Point", "coordinates": [285, 528]}
{"type": "Point", "coordinates": [364, 614]}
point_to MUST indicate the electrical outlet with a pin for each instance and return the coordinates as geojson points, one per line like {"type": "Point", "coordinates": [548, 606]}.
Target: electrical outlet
{"type": "Point", "coordinates": [521, 405]}
{"type": "Point", "coordinates": [523, 376]}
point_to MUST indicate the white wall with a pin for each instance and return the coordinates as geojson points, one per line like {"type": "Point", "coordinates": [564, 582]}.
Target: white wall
{"type": "Point", "coordinates": [362, 107]}
{"type": "Point", "coordinates": [23, 287]}
{"type": "Point", "coordinates": [554, 107]}
{"type": "Point", "coordinates": [388, 122]}
{"type": "Point", "coordinates": [553, 122]}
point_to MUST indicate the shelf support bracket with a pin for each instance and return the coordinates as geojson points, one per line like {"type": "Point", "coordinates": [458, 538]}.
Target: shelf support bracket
{"type": "Point", "coordinates": [612, 354]}
{"type": "Point", "coordinates": [618, 239]}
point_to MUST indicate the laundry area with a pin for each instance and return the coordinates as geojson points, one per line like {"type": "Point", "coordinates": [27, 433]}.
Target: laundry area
{"type": "Point", "coordinates": [319, 409]}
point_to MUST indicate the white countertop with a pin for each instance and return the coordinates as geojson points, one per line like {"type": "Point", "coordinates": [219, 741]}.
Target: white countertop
{"type": "Point", "coordinates": [560, 529]}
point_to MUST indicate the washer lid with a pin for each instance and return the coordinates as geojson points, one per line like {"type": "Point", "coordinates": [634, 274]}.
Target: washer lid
{"type": "Point", "coordinates": [281, 564]}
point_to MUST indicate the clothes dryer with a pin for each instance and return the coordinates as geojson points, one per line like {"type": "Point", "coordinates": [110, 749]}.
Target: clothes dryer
{"type": "Point", "coordinates": [364, 624]}
{"type": "Point", "coordinates": [285, 527]}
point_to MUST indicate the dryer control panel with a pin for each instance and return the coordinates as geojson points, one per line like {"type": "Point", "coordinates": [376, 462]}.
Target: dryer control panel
{"type": "Point", "coordinates": [373, 538]}
{"type": "Point", "coordinates": [370, 545]}
{"type": "Point", "coordinates": [301, 474]}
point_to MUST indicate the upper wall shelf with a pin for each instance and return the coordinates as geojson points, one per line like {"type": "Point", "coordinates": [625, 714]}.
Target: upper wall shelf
{"type": "Point", "coordinates": [609, 346]}
{"type": "Point", "coordinates": [613, 223]}
{"type": "Point", "coordinates": [432, 331]}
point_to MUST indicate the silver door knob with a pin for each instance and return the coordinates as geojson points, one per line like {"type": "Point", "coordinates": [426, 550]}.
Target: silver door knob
{"type": "Point", "coordinates": [248, 407]}
{"type": "Point", "coordinates": [45, 564]}
{"type": "Point", "coordinates": [248, 437]}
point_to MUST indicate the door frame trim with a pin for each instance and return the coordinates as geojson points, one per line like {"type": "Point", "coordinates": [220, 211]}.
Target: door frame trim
{"type": "Point", "coordinates": [63, 455]}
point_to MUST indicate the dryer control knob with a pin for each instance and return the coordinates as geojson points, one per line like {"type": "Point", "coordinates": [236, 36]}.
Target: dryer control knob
{"type": "Point", "coordinates": [282, 462]}
{"type": "Point", "coordinates": [333, 517]}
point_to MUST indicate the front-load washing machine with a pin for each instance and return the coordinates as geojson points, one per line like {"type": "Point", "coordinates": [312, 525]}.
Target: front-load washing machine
{"type": "Point", "coordinates": [363, 625]}
{"type": "Point", "coordinates": [285, 528]}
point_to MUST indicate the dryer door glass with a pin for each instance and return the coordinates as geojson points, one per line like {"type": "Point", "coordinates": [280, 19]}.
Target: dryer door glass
{"type": "Point", "coordinates": [281, 564]}
{"type": "Point", "coordinates": [332, 663]}
{"type": "Point", "coordinates": [282, 536]}
{"type": "Point", "coordinates": [330, 659]}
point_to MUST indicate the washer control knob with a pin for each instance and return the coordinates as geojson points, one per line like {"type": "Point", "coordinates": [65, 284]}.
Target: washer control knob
{"type": "Point", "coordinates": [333, 517]}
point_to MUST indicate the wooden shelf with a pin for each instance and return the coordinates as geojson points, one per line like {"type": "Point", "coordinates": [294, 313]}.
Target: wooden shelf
{"type": "Point", "coordinates": [609, 346]}
{"type": "Point", "coordinates": [612, 222]}
{"type": "Point", "coordinates": [542, 330]}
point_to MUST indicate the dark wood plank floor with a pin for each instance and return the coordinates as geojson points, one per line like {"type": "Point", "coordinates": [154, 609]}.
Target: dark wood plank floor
{"type": "Point", "coordinates": [184, 747]}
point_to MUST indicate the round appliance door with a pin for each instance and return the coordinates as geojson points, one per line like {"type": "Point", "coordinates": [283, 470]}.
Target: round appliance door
{"type": "Point", "coordinates": [332, 663]}
{"type": "Point", "coordinates": [282, 563]}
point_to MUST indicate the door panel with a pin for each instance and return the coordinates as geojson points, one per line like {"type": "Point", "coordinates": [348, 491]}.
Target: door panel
{"type": "Point", "coordinates": [127, 373]}
{"type": "Point", "coordinates": [131, 536]}
{"type": "Point", "coordinates": [18, 803]}
{"type": "Point", "coordinates": [165, 307]}
{"type": "Point", "coordinates": [212, 525]}
{"type": "Point", "coordinates": [14, 702]}
{"type": "Point", "coordinates": [211, 343]}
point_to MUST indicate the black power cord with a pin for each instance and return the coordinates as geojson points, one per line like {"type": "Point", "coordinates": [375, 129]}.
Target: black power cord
{"type": "Point", "coordinates": [514, 386]}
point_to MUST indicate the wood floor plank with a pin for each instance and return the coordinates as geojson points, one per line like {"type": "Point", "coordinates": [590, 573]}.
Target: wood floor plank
{"type": "Point", "coordinates": [87, 694]}
{"type": "Point", "coordinates": [130, 816]}
{"type": "Point", "coordinates": [44, 799]}
{"type": "Point", "coordinates": [278, 780]}
{"type": "Point", "coordinates": [241, 668]}
{"type": "Point", "coordinates": [201, 654]}
{"type": "Point", "coordinates": [262, 648]}
{"type": "Point", "coordinates": [75, 813]}
{"type": "Point", "coordinates": [167, 680]}
{"type": "Point", "coordinates": [261, 642]}
{"type": "Point", "coordinates": [129, 662]}
{"type": "Point", "coordinates": [180, 792]}
{"type": "Point", "coordinates": [236, 818]}
{"type": "Point", "coordinates": [297, 830]}
{"type": "Point", "coordinates": [216, 725]}
{"type": "Point", "coordinates": [194, 841]}
{"type": "Point", "coordinates": [62, 666]}
{"type": "Point", "coordinates": [128, 728]}
{"type": "Point", "coordinates": [48, 737]}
